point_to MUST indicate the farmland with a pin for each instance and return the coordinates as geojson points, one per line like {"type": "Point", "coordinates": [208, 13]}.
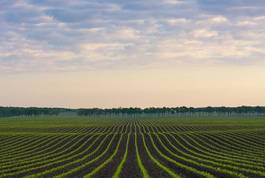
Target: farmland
{"type": "Point", "coordinates": [132, 147]}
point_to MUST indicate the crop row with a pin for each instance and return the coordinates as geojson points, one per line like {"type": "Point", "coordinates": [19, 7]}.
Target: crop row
{"type": "Point", "coordinates": [147, 148]}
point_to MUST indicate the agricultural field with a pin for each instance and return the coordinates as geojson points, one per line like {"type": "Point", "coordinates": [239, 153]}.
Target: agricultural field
{"type": "Point", "coordinates": [132, 147]}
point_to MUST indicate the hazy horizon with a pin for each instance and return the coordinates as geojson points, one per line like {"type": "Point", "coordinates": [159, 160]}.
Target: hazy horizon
{"type": "Point", "coordinates": [113, 53]}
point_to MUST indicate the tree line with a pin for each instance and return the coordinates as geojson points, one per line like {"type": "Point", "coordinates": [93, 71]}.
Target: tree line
{"type": "Point", "coordinates": [167, 111]}
{"type": "Point", "coordinates": [29, 111]}
{"type": "Point", "coordinates": [133, 111]}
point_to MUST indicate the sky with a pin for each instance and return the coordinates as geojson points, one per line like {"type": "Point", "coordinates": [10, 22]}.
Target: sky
{"type": "Point", "coordinates": [140, 53]}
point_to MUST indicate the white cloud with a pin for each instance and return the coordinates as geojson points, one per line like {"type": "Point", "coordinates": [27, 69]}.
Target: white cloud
{"type": "Point", "coordinates": [99, 46]}
{"type": "Point", "coordinates": [204, 33]}
{"type": "Point", "coordinates": [251, 21]}
{"type": "Point", "coordinates": [80, 32]}
{"type": "Point", "coordinates": [92, 30]}
{"type": "Point", "coordinates": [4, 53]}
{"type": "Point", "coordinates": [173, 2]}
{"type": "Point", "coordinates": [259, 18]}
{"type": "Point", "coordinates": [102, 51]}
{"type": "Point", "coordinates": [113, 7]}
{"type": "Point", "coordinates": [19, 47]}
{"type": "Point", "coordinates": [218, 20]}
{"type": "Point", "coordinates": [176, 21]}
{"type": "Point", "coordinates": [125, 33]}
{"type": "Point", "coordinates": [213, 20]}
{"type": "Point", "coordinates": [246, 23]}
{"type": "Point", "coordinates": [25, 5]}
{"type": "Point", "coordinates": [225, 48]}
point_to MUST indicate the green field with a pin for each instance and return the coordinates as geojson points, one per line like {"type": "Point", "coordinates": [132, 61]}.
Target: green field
{"type": "Point", "coordinates": [132, 147]}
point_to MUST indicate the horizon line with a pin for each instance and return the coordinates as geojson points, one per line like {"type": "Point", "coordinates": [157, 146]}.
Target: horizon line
{"type": "Point", "coordinates": [72, 108]}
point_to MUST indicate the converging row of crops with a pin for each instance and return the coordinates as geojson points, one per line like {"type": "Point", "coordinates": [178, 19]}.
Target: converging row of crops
{"type": "Point", "coordinates": [132, 147]}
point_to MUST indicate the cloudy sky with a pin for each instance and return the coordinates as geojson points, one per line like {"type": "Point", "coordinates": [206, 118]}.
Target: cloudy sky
{"type": "Point", "coordinates": [111, 53]}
